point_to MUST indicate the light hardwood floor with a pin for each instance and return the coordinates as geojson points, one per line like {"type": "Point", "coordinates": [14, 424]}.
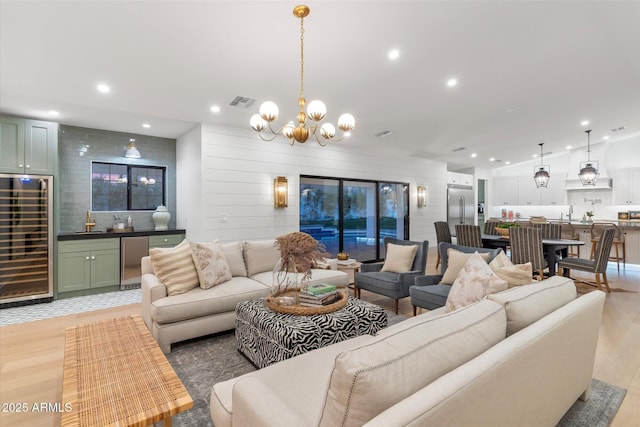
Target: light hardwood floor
{"type": "Point", "coordinates": [31, 354]}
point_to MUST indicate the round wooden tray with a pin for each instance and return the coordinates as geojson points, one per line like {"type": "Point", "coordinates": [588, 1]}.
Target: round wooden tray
{"type": "Point", "coordinates": [300, 310]}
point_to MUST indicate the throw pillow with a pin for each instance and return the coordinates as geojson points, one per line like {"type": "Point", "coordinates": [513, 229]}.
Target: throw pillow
{"type": "Point", "coordinates": [210, 263]}
{"type": "Point", "coordinates": [399, 258]}
{"type": "Point", "coordinates": [455, 261]}
{"type": "Point", "coordinates": [514, 274]}
{"type": "Point", "coordinates": [235, 259]}
{"type": "Point", "coordinates": [174, 268]}
{"type": "Point", "coordinates": [475, 281]}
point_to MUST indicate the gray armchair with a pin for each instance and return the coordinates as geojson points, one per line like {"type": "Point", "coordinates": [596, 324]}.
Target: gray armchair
{"type": "Point", "coordinates": [393, 285]}
{"type": "Point", "coordinates": [427, 291]}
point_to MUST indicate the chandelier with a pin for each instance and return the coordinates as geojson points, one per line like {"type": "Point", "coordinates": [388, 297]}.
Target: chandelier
{"type": "Point", "coordinates": [588, 172]}
{"type": "Point", "coordinates": [541, 176]}
{"type": "Point", "coordinates": [316, 110]}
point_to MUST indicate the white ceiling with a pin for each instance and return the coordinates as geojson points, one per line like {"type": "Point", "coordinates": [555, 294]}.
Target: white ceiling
{"type": "Point", "coordinates": [528, 71]}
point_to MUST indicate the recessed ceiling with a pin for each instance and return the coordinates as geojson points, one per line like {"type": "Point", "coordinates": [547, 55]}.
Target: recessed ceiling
{"type": "Point", "coordinates": [527, 71]}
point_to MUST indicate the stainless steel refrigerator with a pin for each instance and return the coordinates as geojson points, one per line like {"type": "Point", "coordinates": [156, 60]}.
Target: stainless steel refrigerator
{"type": "Point", "coordinates": [460, 206]}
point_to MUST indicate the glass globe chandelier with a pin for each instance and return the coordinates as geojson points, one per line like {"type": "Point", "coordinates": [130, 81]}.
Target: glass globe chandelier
{"type": "Point", "coordinates": [316, 110]}
{"type": "Point", "coordinates": [588, 170]}
{"type": "Point", "coordinates": [542, 172]}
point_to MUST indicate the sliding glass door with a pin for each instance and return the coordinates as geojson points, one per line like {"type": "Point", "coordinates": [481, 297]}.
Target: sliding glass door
{"type": "Point", "coordinates": [353, 216]}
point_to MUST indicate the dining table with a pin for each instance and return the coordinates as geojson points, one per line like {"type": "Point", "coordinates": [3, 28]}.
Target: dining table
{"type": "Point", "coordinates": [550, 247]}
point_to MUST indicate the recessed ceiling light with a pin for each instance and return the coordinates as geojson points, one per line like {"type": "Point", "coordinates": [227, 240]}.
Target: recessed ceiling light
{"type": "Point", "coordinates": [146, 125]}
{"type": "Point", "coordinates": [534, 156]}
{"type": "Point", "coordinates": [493, 159]}
{"type": "Point", "coordinates": [103, 88]}
{"type": "Point", "coordinates": [474, 154]}
{"type": "Point", "coordinates": [508, 162]}
{"type": "Point", "coordinates": [215, 109]}
{"type": "Point", "coordinates": [605, 137]}
{"type": "Point", "coordinates": [53, 113]}
{"type": "Point", "coordinates": [452, 82]}
{"type": "Point", "coordinates": [584, 122]}
{"type": "Point", "coordinates": [568, 147]}
{"type": "Point", "coordinates": [393, 54]}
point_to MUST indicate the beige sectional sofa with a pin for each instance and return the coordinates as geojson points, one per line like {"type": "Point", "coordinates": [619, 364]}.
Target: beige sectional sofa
{"type": "Point", "coordinates": [198, 311]}
{"type": "Point", "coordinates": [519, 357]}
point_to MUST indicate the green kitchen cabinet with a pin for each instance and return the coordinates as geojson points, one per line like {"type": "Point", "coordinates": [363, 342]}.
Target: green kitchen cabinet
{"type": "Point", "coordinates": [165, 240]}
{"type": "Point", "coordinates": [88, 264]}
{"type": "Point", "coordinates": [28, 146]}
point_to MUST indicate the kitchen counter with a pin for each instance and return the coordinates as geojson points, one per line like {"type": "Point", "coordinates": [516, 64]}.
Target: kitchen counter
{"type": "Point", "coordinates": [65, 236]}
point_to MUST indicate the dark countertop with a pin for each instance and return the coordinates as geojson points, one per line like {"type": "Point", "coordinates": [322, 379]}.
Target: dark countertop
{"type": "Point", "coordinates": [109, 235]}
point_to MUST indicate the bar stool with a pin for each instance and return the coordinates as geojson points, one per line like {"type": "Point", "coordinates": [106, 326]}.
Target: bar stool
{"type": "Point", "coordinates": [597, 228]}
{"type": "Point", "coordinates": [568, 231]}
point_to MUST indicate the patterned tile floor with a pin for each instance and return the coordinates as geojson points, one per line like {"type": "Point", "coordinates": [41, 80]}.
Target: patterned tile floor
{"type": "Point", "coordinates": [63, 307]}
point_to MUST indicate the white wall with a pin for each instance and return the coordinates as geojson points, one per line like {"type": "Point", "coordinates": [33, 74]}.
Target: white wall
{"type": "Point", "coordinates": [236, 170]}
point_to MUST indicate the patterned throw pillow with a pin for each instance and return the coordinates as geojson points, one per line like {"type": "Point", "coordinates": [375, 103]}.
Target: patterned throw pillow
{"type": "Point", "coordinates": [474, 282]}
{"type": "Point", "coordinates": [211, 264]}
{"type": "Point", "coordinates": [174, 268]}
{"type": "Point", "coordinates": [399, 258]}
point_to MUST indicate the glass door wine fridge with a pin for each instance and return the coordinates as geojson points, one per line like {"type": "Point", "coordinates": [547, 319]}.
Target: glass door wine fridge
{"type": "Point", "coordinates": [26, 236]}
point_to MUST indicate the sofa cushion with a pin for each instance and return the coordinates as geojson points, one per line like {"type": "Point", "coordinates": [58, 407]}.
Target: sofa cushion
{"type": "Point", "coordinates": [371, 378]}
{"type": "Point", "coordinates": [260, 255]}
{"type": "Point", "coordinates": [475, 281]}
{"type": "Point", "coordinates": [235, 259]}
{"type": "Point", "coordinates": [456, 261]}
{"type": "Point", "coordinates": [399, 258]}
{"type": "Point", "coordinates": [199, 302]}
{"type": "Point", "coordinates": [514, 274]}
{"type": "Point", "coordinates": [528, 303]}
{"type": "Point", "coordinates": [174, 268]}
{"type": "Point", "coordinates": [210, 263]}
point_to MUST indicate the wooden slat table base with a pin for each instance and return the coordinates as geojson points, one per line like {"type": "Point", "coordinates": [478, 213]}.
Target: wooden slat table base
{"type": "Point", "coordinates": [116, 375]}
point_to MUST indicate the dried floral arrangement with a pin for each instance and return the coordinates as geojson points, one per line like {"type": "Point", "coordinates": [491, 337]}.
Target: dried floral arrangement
{"type": "Point", "coordinates": [300, 252]}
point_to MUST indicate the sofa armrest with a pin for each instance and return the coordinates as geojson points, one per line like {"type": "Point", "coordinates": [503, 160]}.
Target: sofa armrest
{"type": "Point", "coordinates": [430, 280]}
{"type": "Point", "coordinates": [369, 268]}
{"type": "Point", "coordinates": [152, 290]}
{"type": "Point", "coordinates": [254, 404]}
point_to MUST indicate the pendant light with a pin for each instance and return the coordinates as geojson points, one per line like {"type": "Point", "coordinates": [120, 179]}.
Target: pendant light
{"type": "Point", "coordinates": [588, 170]}
{"type": "Point", "coordinates": [541, 173]}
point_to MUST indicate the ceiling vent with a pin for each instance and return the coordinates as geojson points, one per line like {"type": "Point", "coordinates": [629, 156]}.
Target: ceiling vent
{"type": "Point", "coordinates": [242, 102]}
{"type": "Point", "coordinates": [383, 133]}
{"type": "Point", "coordinates": [459, 149]}
{"type": "Point", "coordinates": [619, 129]}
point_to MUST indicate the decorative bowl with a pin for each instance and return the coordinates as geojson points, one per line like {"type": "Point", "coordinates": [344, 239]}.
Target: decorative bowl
{"type": "Point", "coordinates": [502, 232]}
{"type": "Point", "coordinates": [342, 256]}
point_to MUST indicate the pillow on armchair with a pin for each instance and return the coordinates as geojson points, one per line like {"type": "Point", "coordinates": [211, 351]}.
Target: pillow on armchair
{"type": "Point", "coordinates": [514, 274]}
{"type": "Point", "coordinates": [456, 261]}
{"type": "Point", "coordinates": [399, 258]}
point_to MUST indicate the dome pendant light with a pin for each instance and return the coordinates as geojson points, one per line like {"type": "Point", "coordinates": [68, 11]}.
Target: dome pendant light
{"type": "Point", "coordinates": [316, 110]}
{"type": "Point", "coordinates": [542, 173]}
{"type": "Point", "coordinates": [588, 170]}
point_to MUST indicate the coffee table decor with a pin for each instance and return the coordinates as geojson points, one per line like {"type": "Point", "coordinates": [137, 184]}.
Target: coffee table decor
{"type": "Point", "coordinates": [299, 253]}
{"type": "Point", "coordinates": [296, 309]}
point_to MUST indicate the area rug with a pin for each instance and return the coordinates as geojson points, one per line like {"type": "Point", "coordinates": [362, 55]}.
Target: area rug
{"type": "Point", "coordinates": [202, 362]}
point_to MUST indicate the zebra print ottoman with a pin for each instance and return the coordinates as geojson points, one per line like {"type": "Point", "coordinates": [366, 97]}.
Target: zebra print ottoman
{"type": "Point", "coordinates": [265, 337]}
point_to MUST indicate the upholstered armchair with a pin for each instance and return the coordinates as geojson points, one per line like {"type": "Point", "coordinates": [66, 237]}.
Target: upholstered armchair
{"type": "Point", "coordinates": [431, 291]}
{"type": "Point", "coordinates": [394, 277]}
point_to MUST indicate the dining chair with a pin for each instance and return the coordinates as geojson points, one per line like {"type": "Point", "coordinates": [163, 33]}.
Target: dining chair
{"type": "Point", "coordinates": [597, 228]}
{"type": "Point", "coordinates": [526, 246]}
{"type": "Point", "coordinates": [568, 232]}
{"type": "Point", "coordinates": [468, 235]}
{"type": "Point", "coordinates": [490, 226]}
{"type": "Point", "coordinates": [597, 265]}
{"type": "Point", "coordinates": [548, 230]}
{"type": "Point", "coordinates": [443, 234]}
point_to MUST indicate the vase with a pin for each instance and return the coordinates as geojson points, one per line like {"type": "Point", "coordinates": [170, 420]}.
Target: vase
{"type": "Point", "coordinates": [161, 218]}
{"type": "Point", "coordinates": [284, 283]}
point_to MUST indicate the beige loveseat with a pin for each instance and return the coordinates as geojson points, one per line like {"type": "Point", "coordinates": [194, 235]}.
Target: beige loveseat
{"type": "Point", "coordinates": [519, 357]}
{"type": "Point", "coordinates": [198, 311]}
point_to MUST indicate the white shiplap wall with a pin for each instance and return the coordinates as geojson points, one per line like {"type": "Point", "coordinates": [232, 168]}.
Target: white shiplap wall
{"type": "Point", "coordinates": [225, 182]}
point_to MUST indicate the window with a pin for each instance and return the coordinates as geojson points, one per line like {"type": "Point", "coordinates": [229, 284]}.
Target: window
{"type": "Point", "coordinates": [119, 187]}
{"type": "Point", "coordinates": [354, 216]}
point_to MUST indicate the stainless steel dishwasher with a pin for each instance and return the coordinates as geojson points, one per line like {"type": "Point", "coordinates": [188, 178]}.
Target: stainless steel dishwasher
{"type": "Point", "coordinates": [132, 249]}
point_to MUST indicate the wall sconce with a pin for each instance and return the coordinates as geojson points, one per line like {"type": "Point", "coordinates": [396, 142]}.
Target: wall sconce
{"type": "Point", "coordinates": [132, 151]}
{"type": "Point", "coordinates": [280, 192]}
{"type": "Point", "coordinates": [422, 196]}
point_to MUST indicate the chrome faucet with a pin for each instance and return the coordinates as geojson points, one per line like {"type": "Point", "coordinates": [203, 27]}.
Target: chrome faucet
{"type": "Point", "coordinates": [570, 212]}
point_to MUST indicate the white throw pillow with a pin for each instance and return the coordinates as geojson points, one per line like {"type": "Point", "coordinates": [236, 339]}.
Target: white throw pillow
{"type": "Point", "coordinates": [514, 274]}
{"type": "Point", "coordinates": [475, 281]}
{"type": "Point", "coordinates": [210, 263]}
{"type": "Point", "coordinates": [235, 259]}
{"type": "Point", "coordinates": [455, 261]}
{"type": "Point", "coordinates": [399, 258]}
{"type": "Point", "coordinates": [260, 256]}
{"type": "Point", "coordinates": [174, 268]}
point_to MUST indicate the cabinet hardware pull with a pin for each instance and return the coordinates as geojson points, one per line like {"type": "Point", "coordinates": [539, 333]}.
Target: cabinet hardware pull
{"type": "Point", "coordinates": [93, 257]}
{"type": "Point", "coordinates": [87, 258]}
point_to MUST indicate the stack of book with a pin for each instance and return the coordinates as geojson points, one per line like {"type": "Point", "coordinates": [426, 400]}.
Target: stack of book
{"type": "Point", "coordinates": [319, 294]}
{"type": "Point", "coordinates": [346, 262]}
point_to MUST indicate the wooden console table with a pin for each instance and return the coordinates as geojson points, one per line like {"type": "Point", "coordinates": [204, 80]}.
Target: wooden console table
{"type": "Point", "coordinates": [115, 374]}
